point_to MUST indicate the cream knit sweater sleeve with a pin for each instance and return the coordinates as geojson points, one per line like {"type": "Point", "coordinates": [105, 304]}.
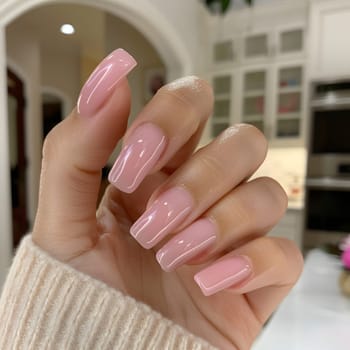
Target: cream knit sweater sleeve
{"type": "Point", "coordinates": [46, 304]}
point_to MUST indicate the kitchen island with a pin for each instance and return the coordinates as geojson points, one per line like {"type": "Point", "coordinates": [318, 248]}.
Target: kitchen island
{"type": "Point", "coordinates": [315, 315]}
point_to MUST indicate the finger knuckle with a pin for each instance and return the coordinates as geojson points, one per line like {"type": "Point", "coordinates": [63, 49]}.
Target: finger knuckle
{"type": "Point", "coordinates": [270, 246]}
{"type": "Point", "coordinates": [293, 257]}
{"type": "Point", "coordinates": [276, 195]}
{"type": "Point", "coordinates": [288, 257]}
{"type": "Point", "coordinates": [195, 93]}
{"type": "Point", "coordinates": [265, 202]}
{"type": "Point", "coordinates": [250, 137]}
{"type": "Point", "coordinates": [209, 164]}
{"type": "Point", "coordinates": [187, 84]}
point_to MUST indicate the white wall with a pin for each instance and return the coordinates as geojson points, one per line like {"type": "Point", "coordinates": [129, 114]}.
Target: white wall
{"type": "Point", "coordinates": [188, 19]}
{"type": "Point", "coordinates": [61, 71]}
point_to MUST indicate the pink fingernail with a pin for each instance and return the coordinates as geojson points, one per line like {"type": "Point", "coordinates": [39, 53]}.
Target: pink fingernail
{"type": "Point", "coordinates": [101, 83]}
{"type": "Point", "coordinates": [223, 274]}
{"type": "Point", "coordinates": [162, 217]}
{"type": "Point", "coordinates": [139, 155]}
{"type": "Point", "coordinates": [195, 239]}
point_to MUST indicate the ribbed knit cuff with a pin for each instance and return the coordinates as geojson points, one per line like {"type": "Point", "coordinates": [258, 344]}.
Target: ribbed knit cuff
{"type": "Point", "coordinates": [46, 304]}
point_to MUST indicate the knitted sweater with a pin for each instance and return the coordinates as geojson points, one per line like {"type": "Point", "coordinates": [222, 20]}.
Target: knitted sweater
{"type": "Point", "coordinates": [46, 304]}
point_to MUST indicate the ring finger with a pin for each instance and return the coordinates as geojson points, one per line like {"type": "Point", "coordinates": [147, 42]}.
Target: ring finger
{"type": "Point", "coordinates": [248, 211]}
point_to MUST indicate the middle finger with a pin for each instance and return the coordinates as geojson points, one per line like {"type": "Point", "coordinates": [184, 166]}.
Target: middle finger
{"type": "Point", "coordinates": [207, 176]}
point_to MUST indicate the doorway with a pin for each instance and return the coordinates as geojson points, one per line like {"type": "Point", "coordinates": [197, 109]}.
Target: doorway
{"type": "Point", "coordinates": [52, 112]}
{"type": "Point", "coordinates": [16, 106]}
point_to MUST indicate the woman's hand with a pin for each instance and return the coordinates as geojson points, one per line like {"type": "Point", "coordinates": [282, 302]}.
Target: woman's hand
{"type": "Point", "coordinates": [218, 275]}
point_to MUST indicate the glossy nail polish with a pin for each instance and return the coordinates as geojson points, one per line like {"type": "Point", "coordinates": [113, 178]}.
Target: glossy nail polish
{"type": "Point", "coordinates": [223, 274]}
{"type": "Point", "coordinates": [102, 82]}
{"type": "Point", "coordinates": [187, 244]}
{"type": "Point", "coordinates": [162, 217]}
{"type": "Point", "coordinates": [140, 153]}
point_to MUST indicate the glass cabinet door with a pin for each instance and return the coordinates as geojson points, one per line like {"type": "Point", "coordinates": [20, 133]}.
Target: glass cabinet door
{"type": "Point", "coordinates": [224, 52]}
{"type": "Point", "coordinates": [254, 98]}
{"type": "Point", "coordinates": [291, 41]}
{"type": "Point", "coordinates": [222, 86]}
{"type": "Point", "coordinates": [289, 101]}
{"type": "Point", "coordinates": [256, 46]}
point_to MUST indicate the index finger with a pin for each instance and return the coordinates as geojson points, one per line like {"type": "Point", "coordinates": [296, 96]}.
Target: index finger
{"type": "Point", "coordinates": [165, 133]}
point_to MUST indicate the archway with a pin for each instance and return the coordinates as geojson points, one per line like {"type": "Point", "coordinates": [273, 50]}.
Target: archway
{"type": "Point", "coordinates": [151, 23]}
{"type": "Point", "coordinates": [155, 28]}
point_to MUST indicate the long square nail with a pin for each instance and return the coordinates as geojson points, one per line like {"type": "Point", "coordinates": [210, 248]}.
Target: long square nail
{"type": "Point", "coordinates": [139, 155]}
{"type": "Point", "coordinates": [187, 244]}
{"type": "Point", "coordinates": [163, 216]}
{"type": "Point", "coordinates": [101, 83]}
{"type": "Point", "coordinates": [225, 273]}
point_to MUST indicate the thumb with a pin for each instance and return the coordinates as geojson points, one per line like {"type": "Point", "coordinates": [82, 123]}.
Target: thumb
{"type": "Point", "coordinates": [74, 153]}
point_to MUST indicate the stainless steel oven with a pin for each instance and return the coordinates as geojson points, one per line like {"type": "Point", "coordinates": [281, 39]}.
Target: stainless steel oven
{"type": "Point", "coordinates": [329, 141]}
{"type": "Point", "coordinates": [327, 200]}
{"type": "Point", "coordinates": [327, 218]}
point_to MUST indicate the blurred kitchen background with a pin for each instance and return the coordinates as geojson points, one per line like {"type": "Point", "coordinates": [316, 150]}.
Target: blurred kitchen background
{"type": "Point", "coordinates": [281, 65]}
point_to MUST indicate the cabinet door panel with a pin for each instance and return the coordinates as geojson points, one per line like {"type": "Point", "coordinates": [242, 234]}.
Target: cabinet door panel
{"type": "Point", "coordinates": [223, 90]}
{"type": "Point", "coordinates": [224, 52]}
{"type": "Point", "coordinates": [290, 102]}
{"type": "Point", "coordinates": [256, 46]}
{"type": "Point", "coordinates": [254, 97]}
{"type": "Point", "coordinates": [330, 25]}
{"type": "Point", "coordinates": [291, 41]}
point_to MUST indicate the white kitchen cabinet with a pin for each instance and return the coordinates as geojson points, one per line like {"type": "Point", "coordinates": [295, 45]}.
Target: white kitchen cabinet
{"type": "Point", "coordinates": [256, 47]}
{"type": "Point", "coordinates": [290, 226]}
{"type": "Point", "coordinates": [329, 48]}
{"type": "Point", "coordinates": [279, 43]}
{"type": "Point", "coordinates": [289, 104]}
{"type": "Point", "coordinates": [271, 97]}
{"type": "Point", "coordinates": [261, 46]}
{"type": "Point", "coordinates": [290, 42]}
{"type": "Point", "coordinates": [223, 87]}
{"type": "Point", "coordinates": [267, 74]}
{"type": "Point", "coordinates": [225, 51]}
{"type": "Point", "coordinates": [253, 96]}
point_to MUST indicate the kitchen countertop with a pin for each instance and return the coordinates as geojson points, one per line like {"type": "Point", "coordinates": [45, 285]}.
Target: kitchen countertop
{"type": "Point", "coordinates": [295, 205]}
{"type": "Point", "coordinates": [315, 315]}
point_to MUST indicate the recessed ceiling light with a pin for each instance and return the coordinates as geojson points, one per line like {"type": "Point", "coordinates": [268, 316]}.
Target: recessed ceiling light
{"type": "Point", "coordinates": [67, 29]}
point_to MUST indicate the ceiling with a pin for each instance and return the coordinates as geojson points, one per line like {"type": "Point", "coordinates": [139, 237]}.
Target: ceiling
{"type": "Point", "coordinates": [45, 22]}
